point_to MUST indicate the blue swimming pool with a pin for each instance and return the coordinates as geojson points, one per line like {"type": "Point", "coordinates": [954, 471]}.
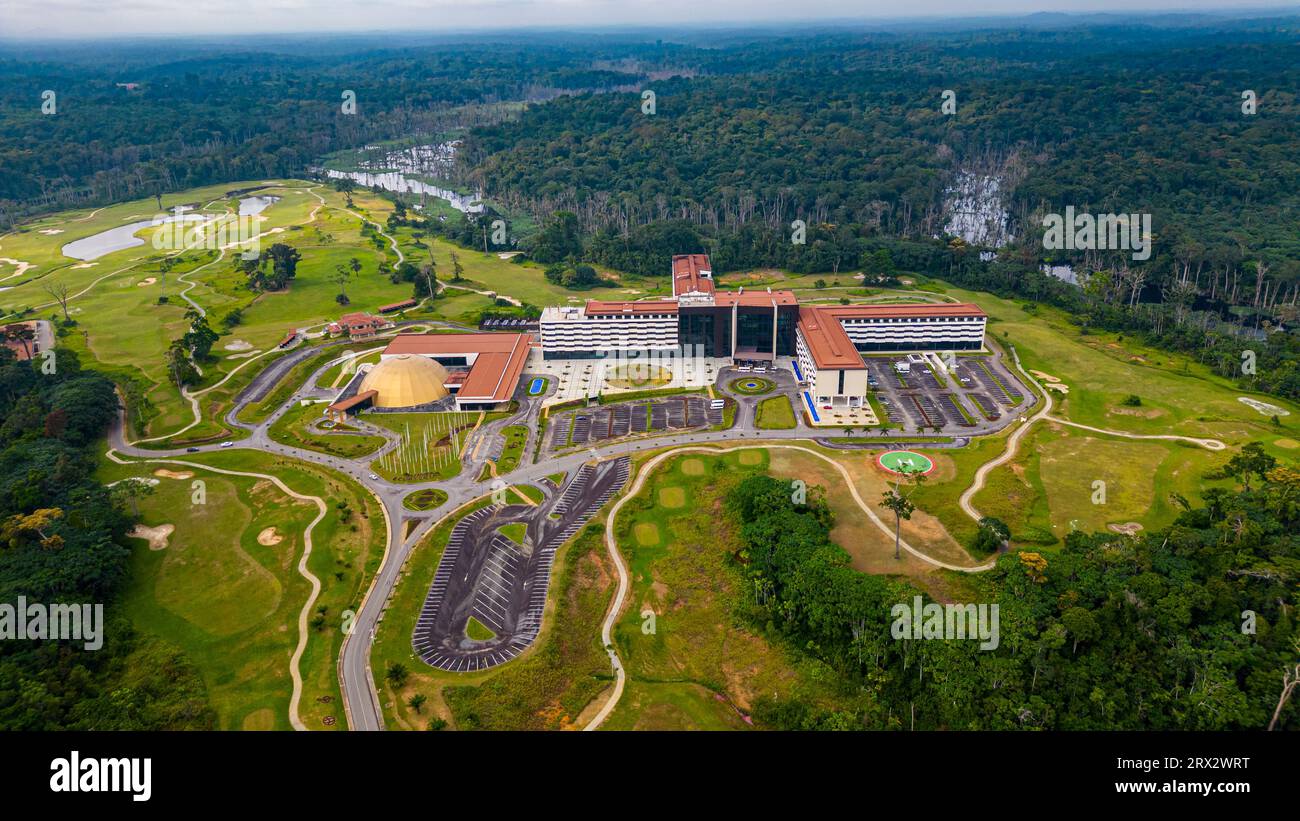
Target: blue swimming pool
{"type": "Point", "coordinates": [536, 386]}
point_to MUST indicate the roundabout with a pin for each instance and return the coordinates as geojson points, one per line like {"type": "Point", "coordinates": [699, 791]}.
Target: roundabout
{"type": "Point", "coordinates": [905, 462]}
{"type": "Point", "coordinates": [751, 386]}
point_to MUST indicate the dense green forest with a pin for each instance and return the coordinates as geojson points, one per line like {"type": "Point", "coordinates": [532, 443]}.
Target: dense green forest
{"type": "Point", "coordinates": [848, 129]}
{"type": "Point", "coordinates": [64, 541]}
{"type": "Point", "coordinates": [1148, 632]}
{"type": "Point", "coordinates": [208, 112]}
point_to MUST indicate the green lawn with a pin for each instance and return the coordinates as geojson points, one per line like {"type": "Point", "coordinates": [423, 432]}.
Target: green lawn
{"type": "Point", "coordinates": [478, 631]}
{"type": "Point", "coordinates": [775, 413]}
{"type": "Point", "coordinates": [230, 602]}
{"type": "Point", "coordinates": [425, 499]}
{"type": "Point", "coordinates": [692, 660]}
{"type": "Point", "coordinates": [293, 429]}
{"type": "Point", "coordinates": [431, 448]}
{"type": "Point", "coordinates": [515, 438]}
{"type": "Point", "coordinates": [515, 531]}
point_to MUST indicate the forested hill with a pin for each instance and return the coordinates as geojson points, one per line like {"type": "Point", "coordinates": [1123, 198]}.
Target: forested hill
{"type": "Point", "coordinates": [209, 112]}
{"type": "Point", "coordinates": [848, 130]}
{"type": "Point", "coordinates": [63, 540]}
{"type": "Point", "coordinates": [1191, 628]}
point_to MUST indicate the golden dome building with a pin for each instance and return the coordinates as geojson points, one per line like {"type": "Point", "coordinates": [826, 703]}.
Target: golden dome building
{"type": "Point", "coordinates": [405, 381]}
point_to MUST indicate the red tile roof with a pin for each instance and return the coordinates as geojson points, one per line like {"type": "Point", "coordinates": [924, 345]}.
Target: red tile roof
{"type": "Point", "coordinates": [688, 276]}
{"type": "Point", "coordinates": [397, 306]}
{"type": "Point", "coordinates": [750, 299]}
{"type": "Point", "coordinates": [649, 306]}
{"type": "Point", "coordinates": [445, 344]}
{"type": "Point", "coordinates": [829, 345]}
{"type": "Point", "coordinates": [497, 367]}
{"type": "Point", "coordinates": [353, 401]}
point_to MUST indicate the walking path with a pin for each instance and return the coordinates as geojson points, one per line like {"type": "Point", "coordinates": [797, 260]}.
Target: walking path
{"type": "Point", "coordinates": [294, 673]}
{"type": "Point", "coordinates": [611, 544]}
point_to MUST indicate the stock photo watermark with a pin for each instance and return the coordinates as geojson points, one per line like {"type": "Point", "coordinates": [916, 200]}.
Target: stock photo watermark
{"type": "Point", "coordinates": [36, 621]}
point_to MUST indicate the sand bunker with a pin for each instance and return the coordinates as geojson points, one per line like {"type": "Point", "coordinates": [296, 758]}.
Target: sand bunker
{"type": "Point", "coordinates": [1046, 377]}
{"type": "Point", "coordinates": [268, 537]}
{"type": "Point", "coordinates": [157, 536]}
{"type": "Point", "coordinates": [238, 345]}
{"type": "Point", "coordinates": [141, 479]}
{"type": "Point", "coordinates": [49, 232]}
{"type": "Point", "coordinates": [86, 265]}
{"type": "Point", "coordinates": [1057, 386]}
{"type": "Point", "coordinates": [1262, 407]}
{"type": "Point", "coordinates": [146, 281]}
{"type": "Point", "coordinates": [171, 474]}
{"type": "Point", "coordinates": [1127, 528]}
{"type": "Point", "coordinates": [18, 264]}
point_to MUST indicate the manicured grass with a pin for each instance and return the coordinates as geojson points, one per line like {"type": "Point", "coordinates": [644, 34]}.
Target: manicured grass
{"type": "Point", "coordinates": [231, 603]}
{"type": "Point", "coordinates": [516, 436]}
{"type": "Point", "coordinates": [557, 479]}
{"type": "Point", "coordinates": [530, 492]}
{"type": "Point", "coordinates": [425, 499]}
{"type": "Point", "coordinates": [293, 428]}
{"type": "Point", "coordinates": [639, 376]}
{"type": "Point", "coordinates": [751, 385]}
{"type": "Point", "coordinates": [431, 448]}
{"type": "Point", "coordinates": [478, 631]}
{"type": "Point", "coordinates": [515, 531]}
{"type": "Point", "coordinates": [775, 413]}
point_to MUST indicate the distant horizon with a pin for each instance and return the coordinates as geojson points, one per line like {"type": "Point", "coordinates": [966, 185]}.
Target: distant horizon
{"type": "Point", "coordinates": [202, 21]}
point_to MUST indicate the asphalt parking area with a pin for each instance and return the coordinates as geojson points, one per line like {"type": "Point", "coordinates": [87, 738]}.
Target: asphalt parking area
{"type": "Point", "coordinates": [979, 391]}
{"type": "Point", "coordinates": [570, 429]}
{"type": "Point", "coordinates": [501, 583]}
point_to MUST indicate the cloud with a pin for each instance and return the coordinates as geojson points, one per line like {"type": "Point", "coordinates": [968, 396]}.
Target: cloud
{"type": "Point", "coordinates": [121, 18]}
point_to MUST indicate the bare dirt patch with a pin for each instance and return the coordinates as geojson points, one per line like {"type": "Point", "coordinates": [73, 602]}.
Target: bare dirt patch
{"type": "Point", "coordinates": [1127, 528]}
{"type": "Point", "coordinates": [156, 536]}
{"type": "Point", "coordinates": [1143, 413]}
{"type": "Point", "coordinates": [173, 474]}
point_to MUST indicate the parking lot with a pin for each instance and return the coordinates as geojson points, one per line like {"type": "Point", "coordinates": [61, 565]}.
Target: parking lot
{"type": "Point", "coordinates": [979, 391]}
{"type": "Point", "coordinates": [584, 426]}
{"type": "Point", "coordinates": [500, 582]}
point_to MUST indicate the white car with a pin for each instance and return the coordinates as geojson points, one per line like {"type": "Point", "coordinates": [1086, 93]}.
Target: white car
{"type": "Point", "coordinates": [227, 444]}
{"type": "Point", "coordinates": [373, 476]}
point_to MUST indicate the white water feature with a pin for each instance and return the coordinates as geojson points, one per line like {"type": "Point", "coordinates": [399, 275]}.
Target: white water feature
{"type": "Point", "coordinates": [124, 236]}
{"type": "Point", "coordinates": [397, 171]}
{"type": "Point", "coordinates": [252, 206]}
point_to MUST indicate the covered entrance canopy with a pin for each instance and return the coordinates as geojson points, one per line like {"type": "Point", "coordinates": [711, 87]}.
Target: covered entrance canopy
{"type": "Point", "coordinates": [753, 355]}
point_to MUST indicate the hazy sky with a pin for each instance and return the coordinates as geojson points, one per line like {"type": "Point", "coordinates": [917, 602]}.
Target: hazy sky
{"type": "Point", "coordinates": [76, 18]}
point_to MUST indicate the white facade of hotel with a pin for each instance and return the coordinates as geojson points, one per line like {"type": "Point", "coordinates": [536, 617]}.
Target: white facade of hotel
{"type": "Point", "coordinates": [570, 331]}
{"type": "Point", "coordinates": [915, 332]}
